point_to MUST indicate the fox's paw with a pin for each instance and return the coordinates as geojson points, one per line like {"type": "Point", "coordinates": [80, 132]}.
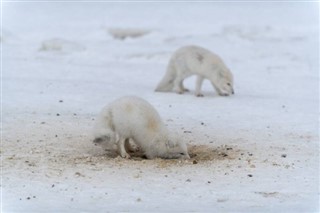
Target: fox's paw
{"type": "Point", "coordinates": [178, 90]}
{"type": "Point", "coordinates": [224, 94]}
{"type": "Point", "coordinates": [125, 155]}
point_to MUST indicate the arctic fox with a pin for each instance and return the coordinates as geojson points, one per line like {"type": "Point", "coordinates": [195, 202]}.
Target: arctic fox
{"type": "Point", "coordinates": [133, 118]}
{"type": "Point", "coordinates": [194, 60]}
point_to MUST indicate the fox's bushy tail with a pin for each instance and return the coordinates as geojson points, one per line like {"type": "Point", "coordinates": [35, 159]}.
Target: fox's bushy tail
{"type": "Point", "coordinates": [166, 84]}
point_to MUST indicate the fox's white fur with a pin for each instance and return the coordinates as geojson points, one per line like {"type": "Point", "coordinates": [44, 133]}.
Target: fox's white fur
{"type": "Point", "coordinates": [194, 60]}
{"type": "Point", "coordinates": [133, 118]}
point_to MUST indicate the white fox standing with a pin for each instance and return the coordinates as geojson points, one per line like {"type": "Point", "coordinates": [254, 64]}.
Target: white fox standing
{"type": "Point", "coordinates": [133, 118]}
{"type": "Point", "coordinates": [194, 60]}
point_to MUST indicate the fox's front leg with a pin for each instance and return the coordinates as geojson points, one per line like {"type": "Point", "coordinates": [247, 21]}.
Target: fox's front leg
{"type": "Point", "coordinates": [198, 86]}
{"type": "Point", "coordinates": [121, 148]}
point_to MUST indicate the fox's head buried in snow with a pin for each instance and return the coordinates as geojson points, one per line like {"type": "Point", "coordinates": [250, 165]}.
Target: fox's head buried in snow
{"type": "Point", "coordinates": [169, 147]}
{"type": "Point", "coordinates": [177, 149]}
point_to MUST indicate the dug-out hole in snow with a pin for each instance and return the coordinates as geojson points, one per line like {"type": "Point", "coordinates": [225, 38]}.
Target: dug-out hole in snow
{"type": "Point", "coordinates": [198, 154]}
{"type": "Point", "coordinates": [207, 153]}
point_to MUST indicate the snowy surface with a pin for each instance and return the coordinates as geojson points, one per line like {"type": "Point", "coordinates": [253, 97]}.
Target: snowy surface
{"type": "Point", "coordinates": [257, 151]}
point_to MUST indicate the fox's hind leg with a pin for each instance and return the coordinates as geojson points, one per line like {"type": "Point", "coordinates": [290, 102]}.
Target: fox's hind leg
{"type": "Point", "coordinates": [182, 88]}
{"type": "Point", "coordinates": [122, 149]}
{"type": "Point", "coordinates": [131, 146]}
{"type": "Point", "coordinates": [177, 86]}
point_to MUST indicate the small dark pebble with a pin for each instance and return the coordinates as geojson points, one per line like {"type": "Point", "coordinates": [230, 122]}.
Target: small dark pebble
{"type": "Point", "coordinates": [187, 132]}
{"type": "Point", "coordinates": [43, 122]}
{"type": "Point", "coordinates": [284, 155]}
{"type": "Point", "coordinates": [211, 142]}
{"type": "Point", "coordinates": [58, 114]}
{"type": "Point", "coordinates": [28, 198]}
{"type": "Point", "coordinates": [60, 101]}
{"type": "Point", "coordinates": [56, 136]}
{"type": "Point", "coordinates": [52, 186]}
{"type": "Point", "coordinates": [250, 175]}
{"type": "Point", "coordinates": [229, 148]}
{"type": "Point", "coordinates": [188, 180]}
{"type": "Point", "coordinates": [209, 181]}
{"type": "Point", "coordinates": [202, 123]}
{"type": "Point", "coordinates": [250, 154]}
{"type": "Point", "coordinates": [195, 162]}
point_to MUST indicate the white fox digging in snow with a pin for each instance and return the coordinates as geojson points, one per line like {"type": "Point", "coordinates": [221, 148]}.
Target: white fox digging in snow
{"type": "Point", "coordinates": [194, 60]}
{"type": "Point", "coordinates": [133, 118]}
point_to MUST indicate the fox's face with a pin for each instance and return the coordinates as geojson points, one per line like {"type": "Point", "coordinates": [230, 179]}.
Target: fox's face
{"type": "Point", "coordinates": [226, 88]}
{"type": "Point", "coordinates": [224, 83]}
{"type": "Point", "coordinates": [179, 151]}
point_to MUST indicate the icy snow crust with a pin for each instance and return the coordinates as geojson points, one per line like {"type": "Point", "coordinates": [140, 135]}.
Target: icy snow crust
{"type": "Point", "coordinates": [256, 151]}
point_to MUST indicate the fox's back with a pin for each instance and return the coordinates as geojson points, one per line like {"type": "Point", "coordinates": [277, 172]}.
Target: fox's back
{"type": "Point", "coordinates": [131, 114]}
{"type": "Point", "coordinates": [194, 59]}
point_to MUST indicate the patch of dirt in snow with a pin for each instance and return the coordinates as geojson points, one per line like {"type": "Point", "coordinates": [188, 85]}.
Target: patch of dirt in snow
{"type": "Point", "coordinates": [55, 147]}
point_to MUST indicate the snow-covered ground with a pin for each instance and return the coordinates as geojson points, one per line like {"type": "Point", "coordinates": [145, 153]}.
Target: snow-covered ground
{"type": "Point", "coordinates": [256, 151]}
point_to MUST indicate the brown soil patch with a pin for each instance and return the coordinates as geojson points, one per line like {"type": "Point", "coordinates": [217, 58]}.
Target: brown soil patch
{"type": "Point", "coordinates": [206, 153]}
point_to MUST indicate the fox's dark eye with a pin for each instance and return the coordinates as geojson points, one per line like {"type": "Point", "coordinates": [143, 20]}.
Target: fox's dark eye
{"type": "Point", "coordinates": [181, 153]}
{"type": "Point", "coordinates": [228, 84]}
